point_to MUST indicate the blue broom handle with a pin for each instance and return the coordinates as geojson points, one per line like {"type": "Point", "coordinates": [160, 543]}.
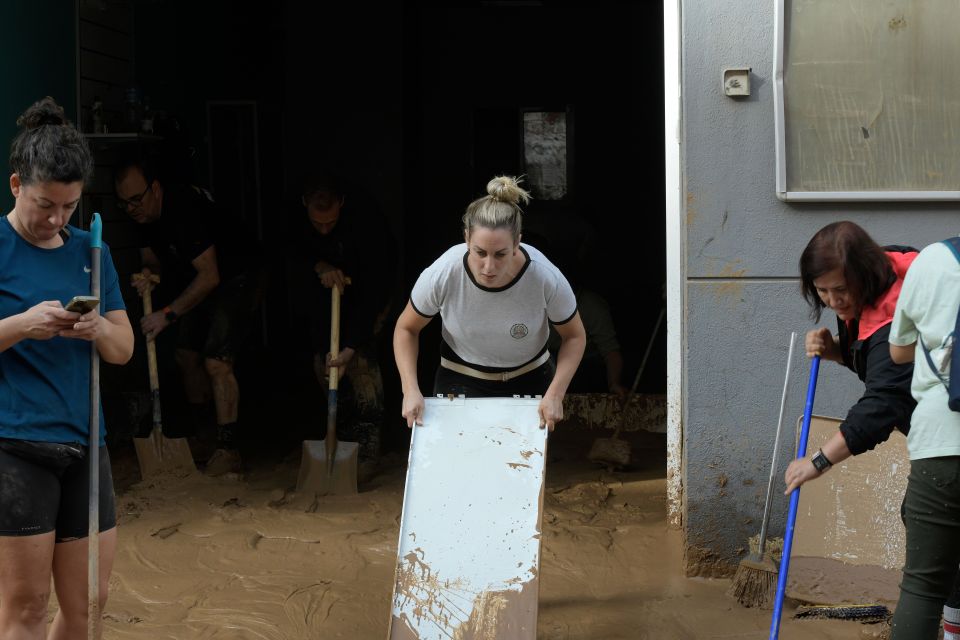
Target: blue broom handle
{"type": "Point", "coordinates": [794, 502]}
{"type": "Point", "coordinates": [93, 453]}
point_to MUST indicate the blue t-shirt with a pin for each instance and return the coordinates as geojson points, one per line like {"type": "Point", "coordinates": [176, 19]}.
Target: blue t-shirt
{"type": "Point", "coordinates": [45, 384]}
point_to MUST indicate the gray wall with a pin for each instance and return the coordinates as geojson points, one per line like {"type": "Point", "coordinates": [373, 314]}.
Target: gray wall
{"type": "Point", "coordinates": [742, 292]}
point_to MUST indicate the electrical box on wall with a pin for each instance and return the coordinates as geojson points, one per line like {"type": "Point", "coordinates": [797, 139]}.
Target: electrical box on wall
{"type": "Point", "coordinates": [736, 81]}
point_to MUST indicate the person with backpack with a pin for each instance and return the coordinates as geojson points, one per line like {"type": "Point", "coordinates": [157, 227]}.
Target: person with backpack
{"type": "Point", "coordinates": [844, 269]}
{"type": "Point", "coordinates": [923, 330]}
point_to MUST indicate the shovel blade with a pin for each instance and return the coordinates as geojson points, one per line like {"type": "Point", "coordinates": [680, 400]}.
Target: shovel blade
{"type": "Point", "coordinates": [158, 454]}
{"type": "Point", "coordinates": [319, 477]}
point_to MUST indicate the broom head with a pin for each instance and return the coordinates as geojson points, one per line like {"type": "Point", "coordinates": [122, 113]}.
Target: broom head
{"type": "Point", "coordinates": [610, 451]}
{"type": "Point", "coordinates": [861, 612]}
{"type": "Point", "coordinates": [755, 583]}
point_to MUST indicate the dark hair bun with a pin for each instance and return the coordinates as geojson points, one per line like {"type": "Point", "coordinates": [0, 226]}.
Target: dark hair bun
{"type": "Point", "coordinates": [41, 113]}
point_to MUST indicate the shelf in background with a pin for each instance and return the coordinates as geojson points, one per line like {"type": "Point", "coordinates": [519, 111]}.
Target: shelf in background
{"type": "Point", "coordinates": [120, 137]}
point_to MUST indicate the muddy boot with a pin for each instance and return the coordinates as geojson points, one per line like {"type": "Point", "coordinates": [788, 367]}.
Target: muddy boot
{"type": "Point", "coordinates": [203, 437]}
{"type": "Point", "coordinates": [201, 448]}
{"type": "Point", "coordinates": [223, 461]}
{"type": "Point", "coordinates": [226, 459]}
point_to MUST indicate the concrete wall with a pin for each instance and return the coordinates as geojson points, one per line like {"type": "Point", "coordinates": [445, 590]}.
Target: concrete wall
{"type": "Point", "coordinates": [741, 289]}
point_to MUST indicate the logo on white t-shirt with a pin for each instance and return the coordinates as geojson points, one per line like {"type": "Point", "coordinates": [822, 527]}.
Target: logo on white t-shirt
{"type": "Point", "coordinates": [519, 331]}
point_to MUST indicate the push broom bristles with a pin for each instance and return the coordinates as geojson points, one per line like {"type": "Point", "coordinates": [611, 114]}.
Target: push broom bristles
{"type": "Point", "coordinates": [861, 612]}
{"type": "Point", "coordinates": [755, 583]}
{"type": "Point", "coordinates": [613, 452]}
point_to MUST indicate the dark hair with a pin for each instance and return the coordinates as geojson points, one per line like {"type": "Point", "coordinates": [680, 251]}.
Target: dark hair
{"type": "Point", "coordinates": [137, 157]}
{"type": "Point", "coordinates": [321, 180]}
{"type": "Point", "coordinates": [846, 246]}
{"type": "Point", "coordinates": [49, 148]}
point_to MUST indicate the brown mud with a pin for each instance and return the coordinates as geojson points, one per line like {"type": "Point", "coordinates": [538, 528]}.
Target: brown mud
{"type": "Point", "coordinates": [248, 558]}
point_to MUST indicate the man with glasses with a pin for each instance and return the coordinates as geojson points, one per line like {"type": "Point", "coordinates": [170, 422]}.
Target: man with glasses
{"type": "Point", "coordinates": [219, 274]}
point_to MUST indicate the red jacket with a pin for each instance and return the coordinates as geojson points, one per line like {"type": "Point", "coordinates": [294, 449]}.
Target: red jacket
{"type": "Point", "coordinates": [886, 403]}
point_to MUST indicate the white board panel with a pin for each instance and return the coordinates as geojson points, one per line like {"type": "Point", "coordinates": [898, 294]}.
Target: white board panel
{"type": "Point", "coordinates": [469, 553]}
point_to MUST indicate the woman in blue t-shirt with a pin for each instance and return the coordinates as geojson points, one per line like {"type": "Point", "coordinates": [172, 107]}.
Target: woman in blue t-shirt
{"type": "Point", "coordinates": [45, 382]}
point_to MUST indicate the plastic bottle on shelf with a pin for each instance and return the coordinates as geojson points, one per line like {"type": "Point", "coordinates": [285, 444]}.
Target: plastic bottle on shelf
{"type": "Point", "coordinates": [96, 112]}
{"type": "Point", "coordinates": [146, 121]}
{"type": "Point", "coordinates": [132, 109]}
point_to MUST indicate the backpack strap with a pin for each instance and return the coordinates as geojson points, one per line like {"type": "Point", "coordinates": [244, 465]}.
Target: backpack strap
{"type": "Point", "coordinates": [954, 244]}
{"type": "Point", "coordinates": [933, 367]}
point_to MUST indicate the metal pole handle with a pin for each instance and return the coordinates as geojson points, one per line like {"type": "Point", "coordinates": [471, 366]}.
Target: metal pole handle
{"type": "Point", "coordinates": [776, 447]}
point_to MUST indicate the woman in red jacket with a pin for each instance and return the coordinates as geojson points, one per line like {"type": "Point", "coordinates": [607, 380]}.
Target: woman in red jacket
{"type": "Point", "coordinates": [844, 269]}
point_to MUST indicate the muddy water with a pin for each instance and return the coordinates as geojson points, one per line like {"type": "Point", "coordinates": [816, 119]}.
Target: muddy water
{"type": "Point", "coordinates": [226, 558]}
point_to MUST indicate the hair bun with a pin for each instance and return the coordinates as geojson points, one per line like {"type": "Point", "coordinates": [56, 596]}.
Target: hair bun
{"type": "Point", "coordinates": [41, 113]}
{"type": "Point", "coordinates": [507, 189]}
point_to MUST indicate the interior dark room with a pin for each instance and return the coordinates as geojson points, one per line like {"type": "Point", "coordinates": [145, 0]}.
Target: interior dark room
{"type": "Point", "coordinates": [417, 106]}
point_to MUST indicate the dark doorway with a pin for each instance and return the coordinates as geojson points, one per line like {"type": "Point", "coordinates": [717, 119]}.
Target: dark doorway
{"type": "Point", "coordinates": [470, 71]}
{"type": "Point", "coordinates": [421, 106]}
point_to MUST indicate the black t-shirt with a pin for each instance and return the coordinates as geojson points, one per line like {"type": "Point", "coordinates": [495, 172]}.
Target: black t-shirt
{"type": "Point", "coordinates": [362, 245]}
{"type": "Point", "coordinates": [190, 223]}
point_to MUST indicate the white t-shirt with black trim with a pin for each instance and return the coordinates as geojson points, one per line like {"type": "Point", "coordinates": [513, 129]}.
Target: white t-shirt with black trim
{"type": "Point", "coordinates": [504, 327]}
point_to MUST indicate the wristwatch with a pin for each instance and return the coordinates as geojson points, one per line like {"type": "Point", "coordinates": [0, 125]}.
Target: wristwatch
{"type": "Point", "coordinates": [820, 461]}
{"type": "Point", "coordinates": [170, 315]}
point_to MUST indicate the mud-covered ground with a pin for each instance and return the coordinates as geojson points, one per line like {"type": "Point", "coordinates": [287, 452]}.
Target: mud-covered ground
{"type": "Point", "coordinates": [247, 558]}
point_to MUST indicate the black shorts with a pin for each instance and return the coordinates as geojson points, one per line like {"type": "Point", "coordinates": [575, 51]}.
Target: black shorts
{"type": "Point", "coordinates": [221, 325]}
{"type": "Point", "coordinates": [39, 496]}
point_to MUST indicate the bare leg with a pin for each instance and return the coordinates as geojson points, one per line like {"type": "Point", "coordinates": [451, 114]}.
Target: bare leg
{"type": "Point", "coordinates": [226, 391]}
{"type": "Point", "coordinates": [226, 396]}
{"type": "Point", "coordinates": [70, 581]}
{"type": "Point", "coordinates": [25, 566]}
{"type": "Point", "coordinates": [196, 382]}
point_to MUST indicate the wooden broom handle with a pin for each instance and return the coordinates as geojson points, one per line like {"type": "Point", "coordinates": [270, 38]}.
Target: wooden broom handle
{"type": "Point", "coordinates": [335, 333]}
{"type": "Point", "coordinates": [147, 310]}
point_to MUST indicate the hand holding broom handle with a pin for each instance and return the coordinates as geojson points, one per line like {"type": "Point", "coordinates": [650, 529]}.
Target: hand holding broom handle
{"type": "Point", "coordinates": [794, 502]}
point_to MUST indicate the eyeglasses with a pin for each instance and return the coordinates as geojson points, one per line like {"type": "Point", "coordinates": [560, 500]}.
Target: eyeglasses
{"type": "Point", "coordinates": [133, 203]}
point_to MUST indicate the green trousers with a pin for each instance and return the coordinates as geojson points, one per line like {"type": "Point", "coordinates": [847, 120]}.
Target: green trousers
{"type": "Point", "coordinates": [931, 514]}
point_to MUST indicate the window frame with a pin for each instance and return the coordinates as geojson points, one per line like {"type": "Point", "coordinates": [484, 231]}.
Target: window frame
{"type": "Point", "coordinates": [851, 195]}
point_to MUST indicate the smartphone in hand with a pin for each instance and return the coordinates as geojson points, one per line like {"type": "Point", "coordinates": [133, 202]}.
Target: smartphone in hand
{"type": "Point", "coordinates": [82, 304]}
